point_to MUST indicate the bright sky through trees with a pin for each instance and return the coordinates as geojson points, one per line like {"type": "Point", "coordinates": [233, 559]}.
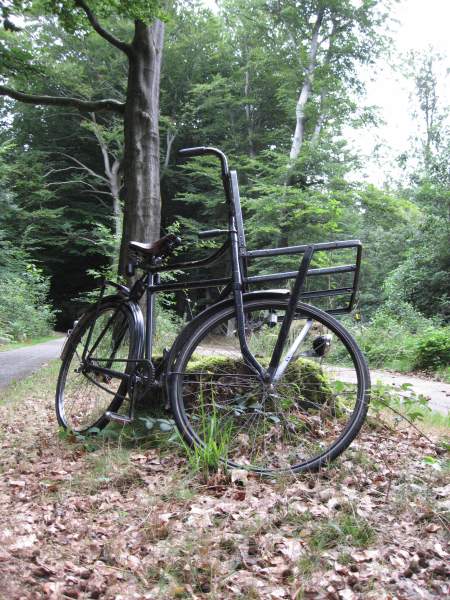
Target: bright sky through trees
{"type": "Point", "coordinates": [420, 25]}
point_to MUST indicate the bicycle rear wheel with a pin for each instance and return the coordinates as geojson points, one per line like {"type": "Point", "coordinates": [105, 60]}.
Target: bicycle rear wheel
{"type": "Point", "coordinates": [83, 395]}
{"type": "Point", "coordinates": [304, 420]}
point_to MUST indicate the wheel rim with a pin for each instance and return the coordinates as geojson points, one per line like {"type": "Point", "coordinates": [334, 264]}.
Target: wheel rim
{"type": "Point", "coordinates": [300, 422]}
{"type": "Point", "coordinates": [85, 394]}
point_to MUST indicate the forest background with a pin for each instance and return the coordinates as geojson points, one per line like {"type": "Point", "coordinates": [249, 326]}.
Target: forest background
{"type": "Point", "coordinates": [277, 86]}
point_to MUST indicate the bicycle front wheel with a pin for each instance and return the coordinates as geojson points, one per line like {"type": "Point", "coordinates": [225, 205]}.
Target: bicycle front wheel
{"type": "Point", "coordinates": [108, 337]}
{"type": "Point", "coordinates": [306, 418]}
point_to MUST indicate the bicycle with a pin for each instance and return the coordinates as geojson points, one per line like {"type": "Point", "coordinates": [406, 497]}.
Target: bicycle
{"type": "Point", "coordinates": [279, 384]}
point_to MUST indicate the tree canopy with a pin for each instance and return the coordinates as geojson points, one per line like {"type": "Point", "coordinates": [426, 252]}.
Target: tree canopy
{"type": "Point", "coordinates": [274, 84]}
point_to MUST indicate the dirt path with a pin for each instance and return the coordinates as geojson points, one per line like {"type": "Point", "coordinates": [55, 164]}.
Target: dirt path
{"type": "Point", "coordinates": [437, 391]}
{"type": "Point", "coordinates": [17, 364]}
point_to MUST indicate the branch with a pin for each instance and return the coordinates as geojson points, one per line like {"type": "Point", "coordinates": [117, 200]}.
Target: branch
{"type": "Point", "coordinates": [82, 105]}
{"type": "Point", "coordinates": [71, 182]}
{"type": "Point", "coordinates": [405, 418]}
{"type": "Point", "coordinates": [103, 32]}
{"type": "Point", "coordinates": [103, 147]}
{"type": "Point", "coordinates": [170, 138]}
{"type": "Point", "coordinates": [83, 166]}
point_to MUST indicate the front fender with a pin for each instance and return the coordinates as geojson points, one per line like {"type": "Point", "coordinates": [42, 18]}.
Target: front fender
{"type": "Point", "coordinates": [187, 332]}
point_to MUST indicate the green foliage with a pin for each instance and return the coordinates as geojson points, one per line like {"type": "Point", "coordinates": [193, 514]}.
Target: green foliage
{"type": "Point", "coordinates": [212, 454]}
{"type": "Point", "coordinates": [423, 278]}
{"type": "Point", "coordinates": [433, 350]}
{"type": "Point", "coordinates": [389, 339]}
{"type": "Point", "coordinates": [24, 308]}
{"type": "Point", "coordinates": [231, 78]}
{"type": "Point", "coordinates": [402, 400]}
{"type": "Point", "coordinates": [399, 337]}
{"type": "Point", "coordinates": [72, 17]}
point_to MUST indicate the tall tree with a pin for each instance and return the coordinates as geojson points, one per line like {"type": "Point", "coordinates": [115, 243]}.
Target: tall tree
{"type": "Point", "coordinates": [423, 278]}
{"type": "Point", "coordinates": [139, 109]}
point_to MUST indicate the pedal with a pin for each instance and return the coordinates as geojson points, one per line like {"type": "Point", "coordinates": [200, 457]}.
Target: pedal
{"type": "Point", "coordinates": [124, 419]}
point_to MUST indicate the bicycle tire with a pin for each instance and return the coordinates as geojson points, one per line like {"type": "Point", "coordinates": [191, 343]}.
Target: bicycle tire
{"type": "Point", "coordinates": [82, 399]}
{"type": "Point", "coordinates": [197, 414]}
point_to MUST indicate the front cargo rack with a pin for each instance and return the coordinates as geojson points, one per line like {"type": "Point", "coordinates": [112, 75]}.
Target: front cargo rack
{"type": "Point", "coordinates": [343, 293]}
{"type": "Point", "coordinates": [347, 291]}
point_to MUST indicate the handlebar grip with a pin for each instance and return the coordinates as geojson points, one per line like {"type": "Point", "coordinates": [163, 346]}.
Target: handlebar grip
{"type": "Point", "coordinates": [202, 150]}
{"type": "Point", "coordinates": [197, 151]}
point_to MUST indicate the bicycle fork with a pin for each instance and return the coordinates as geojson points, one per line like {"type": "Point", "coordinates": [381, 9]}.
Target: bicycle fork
{"type": "Point", "coordinates": [275, 369]}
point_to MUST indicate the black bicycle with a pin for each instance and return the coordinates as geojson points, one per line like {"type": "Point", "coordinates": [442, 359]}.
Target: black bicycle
{"type": "Point", "coordinates": [278, 384]}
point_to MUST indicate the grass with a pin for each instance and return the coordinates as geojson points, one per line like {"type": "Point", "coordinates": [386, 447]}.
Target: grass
{"type": "Point", "coordinates": [310, 563]}
{"type": "Point", "coordinates": [110, 469]}
{"type": "Point", "coordinates": [436, 421]}
{"type": "Point", "coordinates": [346, 532]}
{"type": "Point", "coordinates": [30, 342]}
{"type": "Point", "coordinates": [212, 454]}
{"type": "Point", "coordinates": [42, 382]}
{"type": "Point", "coordinates": [348, 529]}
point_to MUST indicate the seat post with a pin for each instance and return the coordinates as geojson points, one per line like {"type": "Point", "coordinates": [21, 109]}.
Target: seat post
{"type": "Point", "coordinates": [149, 313]}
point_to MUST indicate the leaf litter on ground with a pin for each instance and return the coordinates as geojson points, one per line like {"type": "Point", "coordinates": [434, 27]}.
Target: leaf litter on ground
{"type": "Point", "coordinates": [122, 522]}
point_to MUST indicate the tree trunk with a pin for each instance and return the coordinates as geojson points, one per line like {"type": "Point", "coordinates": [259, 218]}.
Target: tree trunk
{"type": "Point", "coordinates": [114, 177]}
{"type": "Point", "coordinates": [249, 116]}
{"type": "Point", "coordinates": [323, 92]}
{"type": "Point", "coordinates": [320, 119]}
{"type": "Point", "coordinates": [142, 210]}
{"type": "Point", "coordinates": [305, 92]}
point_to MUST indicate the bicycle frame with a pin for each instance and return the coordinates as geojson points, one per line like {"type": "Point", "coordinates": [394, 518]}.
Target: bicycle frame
{"type": "Point", "coordinates": [239, 281]}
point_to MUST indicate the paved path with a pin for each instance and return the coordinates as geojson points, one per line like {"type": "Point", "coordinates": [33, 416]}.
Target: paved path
{"type": "Point", "coordinates": [437, 391]}
{"type": "Point", "coordinates": [17, 364]}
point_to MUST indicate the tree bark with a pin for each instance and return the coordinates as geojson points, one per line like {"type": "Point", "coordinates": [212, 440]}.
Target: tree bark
{"type": "Point", "coordinates": [323, 92]}
{"type": "Point", "coordinates": [249, 116]}
{"type": "Point", "coordinates": [305, 91]}
{"type": "Point", "coordinates": [142, 210]}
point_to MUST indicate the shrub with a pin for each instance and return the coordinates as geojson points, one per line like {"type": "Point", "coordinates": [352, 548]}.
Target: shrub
{"type": "Point", "coordinates": [433, 350]}
{"type": "Point", "coordinates": [386, 340]}
{"type": "Point", "coordinates": [24, 309]}
{"type": "Point", "coordinates": [390, 339]}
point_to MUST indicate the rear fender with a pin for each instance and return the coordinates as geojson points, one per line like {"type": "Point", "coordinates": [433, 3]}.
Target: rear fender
{"type": "Point", "coordinates": [112, 301]}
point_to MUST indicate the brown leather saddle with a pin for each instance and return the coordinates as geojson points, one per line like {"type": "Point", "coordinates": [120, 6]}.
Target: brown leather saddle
{"type": "Point", "coordinates": [159, 249]}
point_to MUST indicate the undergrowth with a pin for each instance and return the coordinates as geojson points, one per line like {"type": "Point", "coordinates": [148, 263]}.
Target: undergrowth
{"type": "Point", "coordinates": [402, 339]}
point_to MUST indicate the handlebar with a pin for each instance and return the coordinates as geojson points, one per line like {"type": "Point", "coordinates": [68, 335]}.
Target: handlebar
{"type": "Point", "coordinates": [202, 151]}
